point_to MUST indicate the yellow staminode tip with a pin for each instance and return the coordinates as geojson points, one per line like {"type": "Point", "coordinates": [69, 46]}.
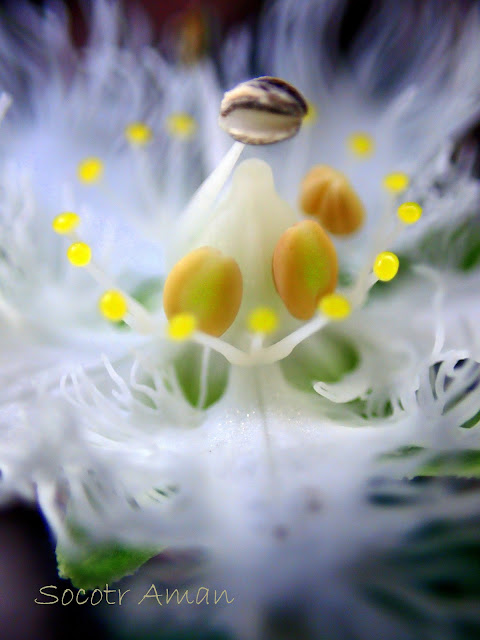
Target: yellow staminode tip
{"type": "Point", "coordinates": [361, 144]}
{"type": "Point", "coordinates": [386, 266]}
{"type": "Point", "coordinates": [79, 254]}
{"type": "Point", "coordinates": [90, 170]}
{"type": "Point", "coordinates": [409, 212]}
{"type": "Point", "coordinates": [181, 326]}
{"type": "Point", "coordinates": [138, 134]}
{"type": "Point", "coordinates": [113, 305]}
{"type": "Point", "coordinates": [262, 320]}
{"type": "Point", "coordinates": [65, 222]}
{"type": "Point", "coordinates": [396, 182]}
{"type": "Point", "coordinates": [335, 306]}
{"type": "Point", "coordinates": [181, 125]}
{"type": "Point", "coordinates": [312, 113]}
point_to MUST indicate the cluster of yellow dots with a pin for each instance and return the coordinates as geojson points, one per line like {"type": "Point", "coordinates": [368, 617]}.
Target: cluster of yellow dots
{"type": "Point", "coordinates": [261, 320]}
{"type": "Point", "coordinates": [387, 263]}
{"type": "Point", "coordinates": [179, 125]}
{"type": "Point", "coordinates": [113, 304]}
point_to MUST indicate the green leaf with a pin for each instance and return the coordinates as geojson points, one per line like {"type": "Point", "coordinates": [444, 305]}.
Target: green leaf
{"type": "Point", "coordinates": [465, 464]}
{"type": "Point", "coordinates": [149, 293]}
{"type": "Point", "coordinates": [95, 565]}
{"type": "Point", "coordinates": [458, 248]}
{"type": "Point", "coordinates": [324, 357]}
{"type": "Point", "coordinates": [188, 369]}
{"type": "Point", "coordinates": [461, 463]}
{"type": "Point", "coordinates": [408, 451]}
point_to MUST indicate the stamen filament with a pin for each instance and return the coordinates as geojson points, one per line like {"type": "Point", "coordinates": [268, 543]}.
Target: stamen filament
{"type": "Point", "coordinates": [264, 355]}
{"type": "Point", "coordinates": [137, 317]}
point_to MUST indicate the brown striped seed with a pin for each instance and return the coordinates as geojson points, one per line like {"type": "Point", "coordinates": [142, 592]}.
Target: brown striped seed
{"type": "Point", "coordinates": [262, 111]}
{"type": "Point", "coordinates": [305, 268]}
{"type": "Point", "coordinates": [208, 285]}
{"type": "Point", "coordinates": [327, 194]}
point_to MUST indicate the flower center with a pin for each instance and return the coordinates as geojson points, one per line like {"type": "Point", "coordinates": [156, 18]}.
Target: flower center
{"type": "Point", "coordinates": [249, 276]}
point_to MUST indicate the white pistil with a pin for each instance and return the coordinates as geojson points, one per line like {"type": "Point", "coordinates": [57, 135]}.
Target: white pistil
{"type": "Point", "coordinates": [198, 212]}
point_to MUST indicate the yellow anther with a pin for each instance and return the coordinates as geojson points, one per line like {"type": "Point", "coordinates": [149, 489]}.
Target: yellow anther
{"type": "Point", "coordinates": [409, 212]}
{"type": "Point", "coordinates": [79, 254]}
{"type": "Point", "coordinates": [386, 266]}
{"type": "Point", "coordinates": [208, 285]}
{"type": "Point", "coordinates": [90, 170]}
{"type": "Point", "coordinates": [181, 326]}
{"type": "Point", "coordinates": [65, 222]}
{"type": "Point", "coordinates": [312, 114]}
{"type": "Point", "coordinates": [181, 125]}
{"type": "Point", "coordinates": [396, 182]}
{"type": "Point", "coordinates": [304, 267]}
{"type": "Point", "coordinates": [335, 306]}
{"type": "Point", "coordinates": [113, 305]}
{"type": "Point", "coordinates": [327, 195]}
{"type": "Point", "coordinates": [361, 144]}
{"type": "Point", "coordinates": [138, 134]}
{"type": "Point", "coordinates": [262, 320]}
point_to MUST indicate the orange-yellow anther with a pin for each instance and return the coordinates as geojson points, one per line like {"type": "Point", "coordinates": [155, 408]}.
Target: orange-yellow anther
{"type": "Point", "coordinates": [305, 268]}
{"type": "Point", "coordinates": [327, 195]}
{"type": "Point", "coordinates": [207, 285]}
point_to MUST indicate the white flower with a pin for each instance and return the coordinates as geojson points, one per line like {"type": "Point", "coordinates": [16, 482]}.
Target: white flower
{"type": "Point", "coordinates": [271, 452]}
